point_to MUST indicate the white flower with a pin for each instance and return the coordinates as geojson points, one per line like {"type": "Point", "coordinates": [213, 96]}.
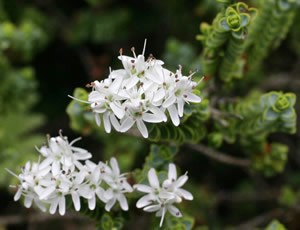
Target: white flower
{"type": "Point", "coordinates": [161, 209]}
{"type": "Point", "coordinates": [155, 192]}
{"type": "Point", "coordinates": [161, 200]}
{"type": "Point", "coordinates": [172, 184]}
{"type": "Point", "coordinates": [118, 186]}
{"type": "Point", "coordinates": [140, 92]}
{"type": "Point", "coordinates": [60, 152]}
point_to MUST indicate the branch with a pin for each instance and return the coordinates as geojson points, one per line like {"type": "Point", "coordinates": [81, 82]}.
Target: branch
{"type": "Point", "coordinates": [219, 156]}
{"type": "Point", "coordinates": [261, 219]}
{"type": "Point", "coordinates": [37, 217]}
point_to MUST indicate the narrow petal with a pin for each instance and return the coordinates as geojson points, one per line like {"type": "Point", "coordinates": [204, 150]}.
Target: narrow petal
{"type": "Point", "coordinates": [100, 193]}
{"type": "Point", "coordinates": [123, 202]}
{"type": "Point", "coordinates": [174, 115]}
{"type": "Point", "coordinates": [18, 194]}
{"type": "Point", "coordinates": [144, 201]}
{"type": "Point", "coordinates": [108, 194]}
{"type": "Point", "coordinates": [162, 216]}
{"type": "Point", "coordinates": [172, 174]}
{"type": "Point", "coordinates": [180, 106]}
{"type": "Point", "coordinates": [106, 122]}
{"type": "Point", "coordinates": [62, 206]}
{"type": "Point", "coordinates": [27, 201]}
{"type": "Point", "coordinates": [142, 128]}
{"type": "Point", "coordinates": [192, 98]}
{"type": "Point", "coordinates": [152, 118]}
{"type": "Point", "coordinates": [53, 206]}
{"type": "Point", "coordinates": [55, 168]}
{"type": "Point", "coordinates": [76, 201]}
{"type": "Point", "coordinates": [126, 124]}
{"type": "Point", "coordinates": [92, 202]}
{"type": "Point", "coordinates": [110, 204]}
{"type": "Point", "coordinates": [169, 101]}
{"type": "Point", "coordinates": [181, 181]}
{"type": "Point", "coordinates": [159, 95]}
{"type": "Point", "coordinates": [174, 211]}
{"type": "Point", "coordinates": [152, 177]}
{"type": "Point", "coordinates": [98, 120]}
{"type": "Point", "coordinates": [152, 208]}
{"type": "Point", "coordinates": [143, 188]}
{"type": "Point", "coordinates": [185, 194]}
{"type": "Point", "coordinates": [115, 166]}
{"type": "Point", "coordinates": [118, 111]}
{"type": "Point", "coordinates": [114, 122]}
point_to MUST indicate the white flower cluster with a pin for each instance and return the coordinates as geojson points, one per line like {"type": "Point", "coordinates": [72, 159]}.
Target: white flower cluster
{"type": "Point", "coordinates": [61, 173]}
{"type": "Point", "coordinates": [162, 199]}
{"type": "Point", "coordinates": [141, 92]}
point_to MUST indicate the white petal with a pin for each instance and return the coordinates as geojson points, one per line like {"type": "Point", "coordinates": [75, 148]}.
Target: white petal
{"type": "Point", "coordinates": [142, 128]}
{"type": "Point", "coordinates": [123, 202]}
{"type": "Point", "coordinates": [143, 188]}
{"type": "Point", "coordinates": [185, 194]}
{"type": "Point", "coordinates": [114, 122]}
{"type": "Point", "coordinates": [100, 193]}
{"type": "Point", "coordinates": [76, 201]}
{"type": "Point", "coordinates": [18, 194]}
{"type": "Point", "coordinates": [108, 194]}
{"type": "Point", "coordinates": [152, 208]}
{"type": "Point", "coordinates": [46, 163]}
{"type": "Point", "coordinates": [40, 205]}
{"type": "Point", "coordinates": [151, 118]}
{"type": "Point", "coordinates": [144, 201]}
{"type": "Point", "coordinates": [126, 124]}
{"type": "Point", "coordinates": [181, 181]}
{"type": "Point", "coordinates": [27, 201]}
{"type": "Point", "coordinates": [115, 166]}
{"type": "Point", "coordinates": [131, 82]}
{"type": "Point", "coordinates": [53, 206]}
{"type": "Point", "coordinates": [172, 174]}
{"type": "Point", "coordinates": [159, 95]}
{"type": "Point", "coordinates": [180, 106]}
{"type": "Point", "coordinates": [169, 101]}
{"type": "Point", "coordinates": [55, 168]}
{"type": "Point", "coordinates": [162, 216]}
{"type": "Point", "coordinates": [174, 211]}
{"type": "Point", "coordinates": [62, 206]}
{"type": "Point", "coordinates": [116, 84]}
{"type": "Point", "coordinates": [106, 122]}
{"type": "Point", "coordinates": [118, 111]}
{"type": "Point", "coordinates": [174, 115]}
{"type": "Point", "coordinates": [45, 192]}
{"type": "Point", "coordinates": [192, 98]}
{"type": "Point", "coordinates": [97, 118]}
{"type": "Point", "coordinates": [110, 204]}
{"type": "Point", "coordinates": [152, 177]}
{"type": "Point", "coordinates": [92, 202]}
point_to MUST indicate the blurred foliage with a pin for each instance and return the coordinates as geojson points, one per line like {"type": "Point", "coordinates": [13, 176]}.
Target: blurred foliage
{"type": "Point", "coordinates": [19, 43]}
{"type": "Point", "coordinates": [243, 112]}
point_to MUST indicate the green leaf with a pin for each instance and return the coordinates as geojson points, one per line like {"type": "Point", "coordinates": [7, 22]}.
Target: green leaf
{"type": "Point", "coordinates": [275, 225]}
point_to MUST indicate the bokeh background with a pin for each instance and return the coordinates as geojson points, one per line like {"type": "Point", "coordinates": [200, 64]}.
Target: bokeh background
{"type": "Point", "coordinates": [50, 47]}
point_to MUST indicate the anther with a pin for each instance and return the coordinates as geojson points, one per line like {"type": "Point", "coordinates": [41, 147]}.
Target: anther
{"type": "Point", "coordinates": [164, 84]}
{"type": "Point", "coordinates": [93, 84]}
{"type": "Point", "coordinates": [88, 85]}
{"type": "Point", "coordinates": [140, 113]}
{"type": "Point", "coordinates": [121, 51]}
{"type": "Point", "coordinates": [185, 96]}
{"type": "Point", "coordinates": [105, 87]}
{"type": "Point", "coordinates": [132, 61]}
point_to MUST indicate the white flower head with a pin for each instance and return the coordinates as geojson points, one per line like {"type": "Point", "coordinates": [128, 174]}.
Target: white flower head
{"type": "Point", "coordinates": [140, 92]}
{"type": "Point", "coordinates": [161, 199]}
